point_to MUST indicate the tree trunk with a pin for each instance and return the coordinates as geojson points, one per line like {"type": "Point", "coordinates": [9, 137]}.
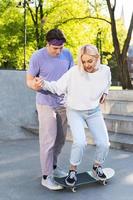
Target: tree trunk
{"type": "Point", "coordinates": [121, 57]}
{"type": "Point", "coordinates": [124, 73]}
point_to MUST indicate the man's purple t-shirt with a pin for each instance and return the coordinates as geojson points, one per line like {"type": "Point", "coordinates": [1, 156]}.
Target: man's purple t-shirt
{"type": "Point", "coordinates": [51, 69]}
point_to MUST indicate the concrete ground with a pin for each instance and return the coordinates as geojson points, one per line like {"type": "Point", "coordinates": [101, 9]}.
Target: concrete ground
{"type": "Point", "coordinates": [20, 174]}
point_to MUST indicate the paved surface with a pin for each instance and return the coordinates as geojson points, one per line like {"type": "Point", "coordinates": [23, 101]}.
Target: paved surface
{"type": "Point", "coordinates": [20, 174]}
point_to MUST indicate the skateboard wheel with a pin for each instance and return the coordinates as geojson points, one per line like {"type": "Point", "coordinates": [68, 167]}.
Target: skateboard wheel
{"type": "Point", "coordinates": [74, 189]}
{"type": "Point", "coordinates": [104, 182]}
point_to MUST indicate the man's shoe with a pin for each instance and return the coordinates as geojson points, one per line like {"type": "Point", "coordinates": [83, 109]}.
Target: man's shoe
{"type": "Point", "coordinates": [58, 172]}
{"type": "Point", "coordinates": [50, 183]}
{"type": "Point", "coordinates": [71, 179]}
{"type": "Point", "coordinates": [98, 172]}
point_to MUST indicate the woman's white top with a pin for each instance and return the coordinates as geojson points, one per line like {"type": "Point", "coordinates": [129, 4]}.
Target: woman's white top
{"type": "Point", "coordinates": [83, 90]}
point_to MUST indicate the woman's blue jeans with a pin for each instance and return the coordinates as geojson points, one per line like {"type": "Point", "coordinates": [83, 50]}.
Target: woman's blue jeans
{"type": "Point", "coordinates": [95, 122]}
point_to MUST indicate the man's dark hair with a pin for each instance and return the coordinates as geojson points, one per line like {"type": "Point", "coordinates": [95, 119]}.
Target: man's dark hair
{"type": "Point", "coordinates": [55, 34]}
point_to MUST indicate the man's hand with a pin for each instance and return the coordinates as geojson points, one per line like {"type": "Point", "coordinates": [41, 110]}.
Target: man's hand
{"type": "Point", "coordinates": [34, 83]}
{"type": "Point", "coordinates": [102, 100]}
{"type": "Point", "coordinates": [37, 83]}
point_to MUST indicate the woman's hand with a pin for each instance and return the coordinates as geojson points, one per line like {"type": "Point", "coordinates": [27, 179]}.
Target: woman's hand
{"type": "Point", "coordinates": [102, 100]}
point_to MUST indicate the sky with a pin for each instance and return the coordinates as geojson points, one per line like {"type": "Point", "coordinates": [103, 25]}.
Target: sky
{"type": "Point", "coordinates": [127, 8]}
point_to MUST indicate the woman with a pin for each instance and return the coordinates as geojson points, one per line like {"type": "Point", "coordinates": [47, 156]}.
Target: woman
{"type": "Point", "coordinates": [86, 86]}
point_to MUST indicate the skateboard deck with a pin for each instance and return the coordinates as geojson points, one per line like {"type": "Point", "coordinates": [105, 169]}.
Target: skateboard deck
{"type": "Point", "coordinates": [86, 178]}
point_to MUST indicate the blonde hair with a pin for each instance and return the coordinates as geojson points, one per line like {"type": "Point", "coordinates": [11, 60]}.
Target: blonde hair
{"type": "Point", "coordinates": [90, 50]}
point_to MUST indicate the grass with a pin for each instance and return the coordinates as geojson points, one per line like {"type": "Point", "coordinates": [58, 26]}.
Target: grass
{"type": "Point", "coordinates": [115, 88]}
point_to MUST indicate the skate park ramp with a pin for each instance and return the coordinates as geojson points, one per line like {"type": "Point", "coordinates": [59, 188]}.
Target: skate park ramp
{"type": "Point", "coordinates": [17, 105]}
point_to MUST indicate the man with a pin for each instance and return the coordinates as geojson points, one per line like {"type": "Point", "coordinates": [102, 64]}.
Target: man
{"type": "Point", "coordinates": [50, 63]}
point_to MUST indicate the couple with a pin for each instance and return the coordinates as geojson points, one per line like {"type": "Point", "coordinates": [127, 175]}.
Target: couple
{"type": "Point", "coordinates": [52, 74]}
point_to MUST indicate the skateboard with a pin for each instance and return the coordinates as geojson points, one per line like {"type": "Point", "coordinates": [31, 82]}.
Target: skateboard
{"type": "Point", "coordinates": [86, 178]}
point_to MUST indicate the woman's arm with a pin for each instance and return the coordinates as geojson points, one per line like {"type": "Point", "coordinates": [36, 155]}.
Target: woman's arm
{"type": "Point", "coordinates": [106, 91]}
{"type": "Point", "coordinates": [57, 87]}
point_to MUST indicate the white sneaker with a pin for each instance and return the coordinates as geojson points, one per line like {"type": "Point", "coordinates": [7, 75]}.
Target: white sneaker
{"type": "Point", "coordinates": [58, 172]}
{"type": "Point", "coordinates": [50, 183]}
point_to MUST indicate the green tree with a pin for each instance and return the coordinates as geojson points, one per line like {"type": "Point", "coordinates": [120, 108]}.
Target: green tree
{"type": "Point", "coordinates": [37, 16]}
{"type": "Point", "coordinates": [12, 36]}
{"type": "Point", "coordinates": [82, 22]}
{"type": "Point", "coordinates": [9, 41]}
